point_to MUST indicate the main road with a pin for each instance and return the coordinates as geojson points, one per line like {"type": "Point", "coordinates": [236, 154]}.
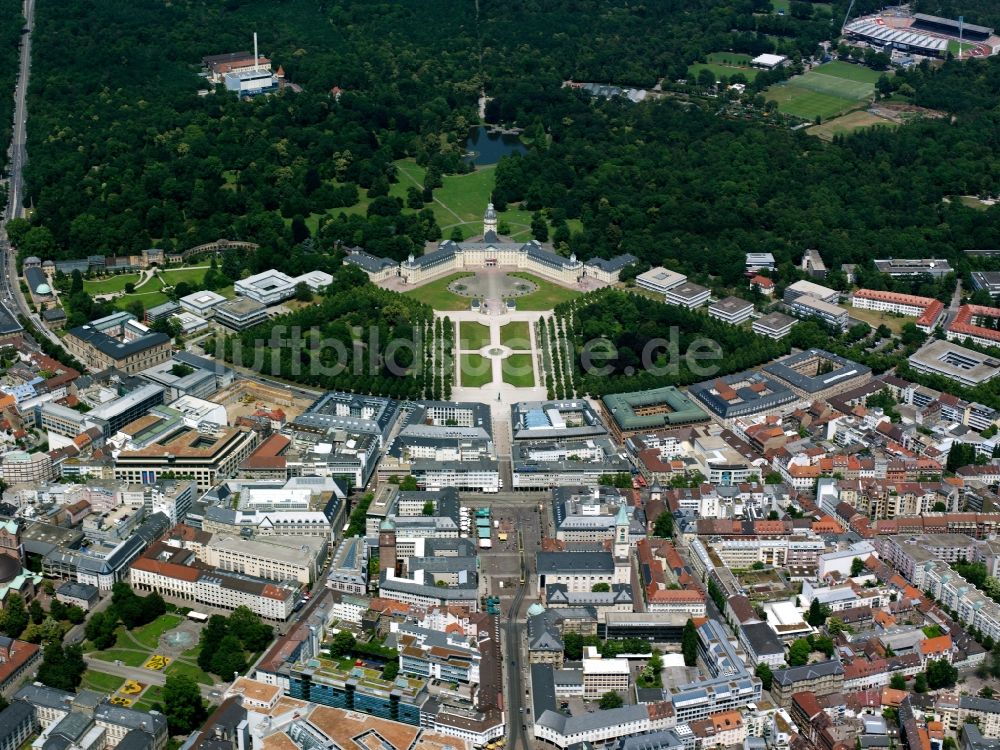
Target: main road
{"type": "Point", "coordinates": [10, 290]}
{"type": "Point", "coordinates": [514, 632]}
{"type": "Point", "coordinates": [19, 151]}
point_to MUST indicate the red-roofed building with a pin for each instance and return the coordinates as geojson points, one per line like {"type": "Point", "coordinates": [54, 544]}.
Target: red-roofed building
{"type": "Point", "coordinates": [723, 729]}
{"type": "Point", "coordinates": [177, 571]}
{"type": "Point", "coordinates": [926, 310]}
{"type": "Point", "coordinates": [968, 325]}
{"type": "Point", "coordinates": [826, 525]}
{"type": "Point", "coordinates": [763, 284]}
{"type": "Point", "coordinates": [17, 660]}
{"type": "Point", "coordinates": [862, 674]}
{"type": "Point", "coordinates": [934, 649]}
{"type": "Point", "coordinates": [268, 459]}
{"type": "Point", "coordinates": [660, 598]}
{"type": "Point", "coordinates": [771, 528]}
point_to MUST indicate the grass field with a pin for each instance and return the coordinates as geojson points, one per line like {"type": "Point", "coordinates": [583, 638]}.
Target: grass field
{"type": "Point", "coordinates": [110, 284]}
{"type": "Point", "coordinates": [101, 682]}
{"type": "Point", "coordinates": [150, 296]}
{"type": "Point", "coordinates": [517, 371]}
{"type": "Point", "coordinates": [149, 635]}
{"type": "Point", "coordinates": [725, 64]}
{"type": "Point", "coordinates": [193, 671]}
{"type": "Point", "coordinates": [516, 335]}
{"type": "Point", "coordinates": [721, 71]}
{"type": "Point", "coordinates": [876, 318]}
{"type": "Point", "coordinates": [548, 295]}
{"type": "Point", "coordinates": [973, 202]}
{"type": "Point", "coordinates": [825, 92]}
{"type": "Point", "coordinates": [408, 174]}
{"type": "Point", "coordinates": [954, 46]}
{"type": "Point", "coordinates": [780, 5]}
{"type": "Point", "coordinates": [174, 276]}
{"type": "Point", "coordinates": [476, 370]}
{"type": "Point", "coordinates": [466, 195]}
{"type": "Point", "coordinates": [149, 698]}
{"type": "Point", "coordinates": [473, 335]}
{"type": "Point", "coordinates": [460, 201]}
{"type": "Point", "coordinates": [849, 123]}
{"type": "Point", "coordinates": [850, 72]}
{"type": "Point", "coordinates": [436, 294]}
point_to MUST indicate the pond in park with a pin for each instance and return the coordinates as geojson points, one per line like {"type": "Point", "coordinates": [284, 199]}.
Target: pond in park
{"type": "Point", "coordinates": [486, 146]}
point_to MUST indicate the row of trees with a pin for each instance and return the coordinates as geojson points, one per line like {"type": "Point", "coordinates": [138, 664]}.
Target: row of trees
{"type": "Point", "coordinates": [938, 674]}
{"type": "Point", "coordinates": [573, 644]}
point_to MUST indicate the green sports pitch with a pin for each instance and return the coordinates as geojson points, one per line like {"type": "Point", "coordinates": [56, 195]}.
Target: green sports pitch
{"type": "Point", "coordinates": [825, 92]}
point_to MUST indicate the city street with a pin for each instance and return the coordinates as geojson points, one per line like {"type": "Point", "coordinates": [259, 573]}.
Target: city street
{"type": "Point", "coordinates": [148, 676]}
{"type": "Point", "coordinates": [506, 563]}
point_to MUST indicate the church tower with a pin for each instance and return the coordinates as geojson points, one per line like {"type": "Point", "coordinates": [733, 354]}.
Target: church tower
{"type": "Point", "coordinates": [387, 545]}
{"type": "Point", "coordinates": [622, 544]}
{"type": "Point", "coordinates": [490, 220]}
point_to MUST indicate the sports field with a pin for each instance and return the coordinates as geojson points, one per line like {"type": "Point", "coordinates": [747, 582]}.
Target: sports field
{"type": "Point", "coordinates": [725, 64]}
{"type": "Point", "coordinates": [824, 92]}
{"type": "Point", "coordinates": [849, 123]}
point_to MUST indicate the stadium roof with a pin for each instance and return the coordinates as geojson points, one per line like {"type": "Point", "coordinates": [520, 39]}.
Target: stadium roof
{"type": "Point", "coordinates": [888, 35]}
{"type": "Point", "coordinates": [952, 23]}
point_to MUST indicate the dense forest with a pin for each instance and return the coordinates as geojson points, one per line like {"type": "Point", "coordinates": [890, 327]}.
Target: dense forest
{"type": "Point", "coordinates": [641, 333]}
{"type": "Point", "coordinates": [358, 337]}
{"type": "Point", "coordinates": [125, 154]}
{"type": "Point", "coordinates": [983, 12]}
{"type": "Point", "coordinates": [11, 23]}
{"type": "Point", "coordinates": [695, 192]}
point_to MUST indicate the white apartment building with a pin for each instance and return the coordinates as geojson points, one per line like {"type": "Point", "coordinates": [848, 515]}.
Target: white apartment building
{"type": "Point", "coordinates": [473, 476]}
{"type": "Point", "coordinates": [603, 675]}
{"type": "Point", "coordinates": [741, 554]}
{"type": "Point", "coordinates": [974, 608]}
{"type": "Point", "coordinates": [688, 294]}
{"type": "Point", "coordinates": [660, 280]}
{"type": "Point", "coordinates": [927, 310]}
{"type": "Point", "coordinates": [732, 310]}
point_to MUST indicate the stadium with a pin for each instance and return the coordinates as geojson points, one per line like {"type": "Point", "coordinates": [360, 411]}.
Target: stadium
{"type": "Point", "coordinates": [921, 34]}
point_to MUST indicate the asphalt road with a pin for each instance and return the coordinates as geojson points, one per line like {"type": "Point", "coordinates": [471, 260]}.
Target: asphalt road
{"type": "Point", "coordinates": [147, 676]}
{"type": "Point", "coordinates": [952, 310]}
{"type": "Point", "coordinates": [10, 290]}
{"type": "Point", "coordinates": [514, 633]}
{"type": "Point", "coordinates": [19, 152]}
